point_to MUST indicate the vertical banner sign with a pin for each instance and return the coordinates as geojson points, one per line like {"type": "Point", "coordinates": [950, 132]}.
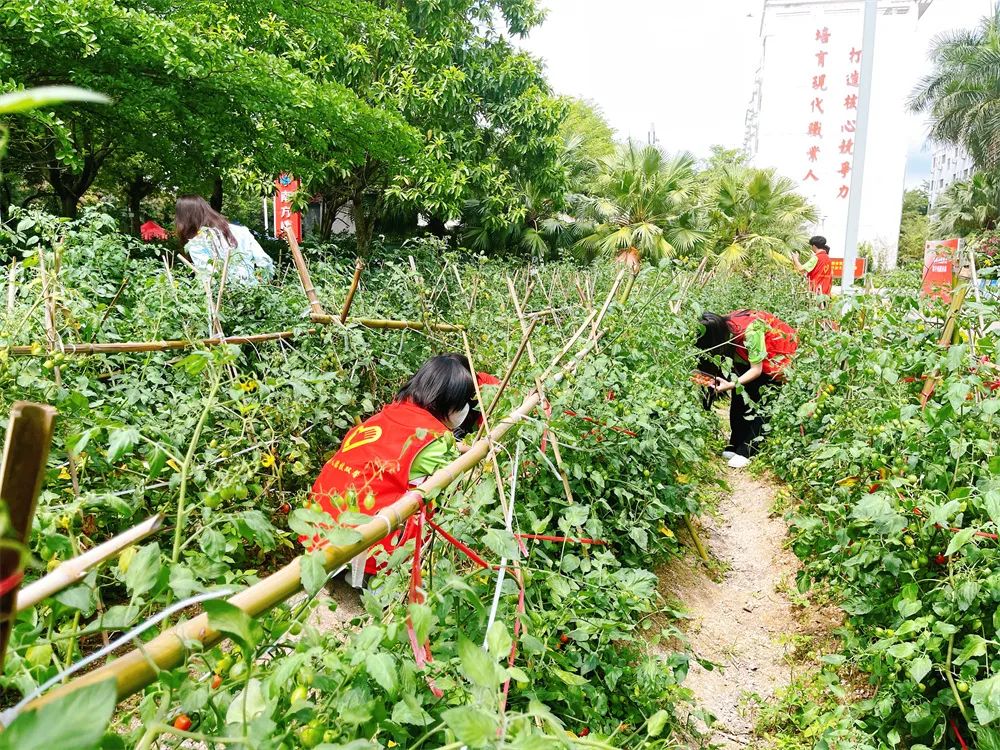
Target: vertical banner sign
{"type": "Point", "coordinates": [286, 220]}
{"type": "Point", "coordinates": [939, 267]}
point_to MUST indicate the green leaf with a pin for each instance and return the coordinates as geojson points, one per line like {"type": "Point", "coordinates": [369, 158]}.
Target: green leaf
{"type": "Point", "coordinates": [975, 645]}
{"type": "Point", "coordinates": [986, 699]}
{"type": "Point", "coordinates": [568, 677]}
{"type": "Point", "coordinates": [902, 650]}
{"type": "Point", "coordinates": [498, 640]}
{"type": "Point", "coordinates": [958, 541]}
{"type": "Point", "coordinates": [987, 739]}
{"type": "Point", "coordinates": [408, 711]}
{"type": "Point", "coordinates": [422, 619]}
{"type": "Point", "coordinates": [920, 667]}
{"type": "Point", "coordinates": [251, 698]}
{"type": "Point", "coordinates": [232, 621]}
{"type": "Point", "coordinates": [471, 726]}
{"type": "Point", "coordinates": [44, 96]}
{"type": "Point", "coordinates": [477, 665]}
{"type": "Point", "coordinates": [120, 441]}
{"type": "Point", "coordinates": [74, 722]}
{"type": "Point", "coordinates": [382, 668]}
{"type": "Point", "coordinates": [312, 572]}
{"type": "Point", "coordinates": [656, 723]}
{"type": "Point", "coordinates": [143, 570]}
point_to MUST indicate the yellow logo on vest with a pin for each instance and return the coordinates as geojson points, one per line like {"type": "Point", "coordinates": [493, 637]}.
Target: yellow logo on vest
{"type": "Point", "coordinates": [361, 436]}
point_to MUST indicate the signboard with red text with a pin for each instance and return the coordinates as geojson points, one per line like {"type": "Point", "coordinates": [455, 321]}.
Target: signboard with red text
{"type": "Point", "coordinates": [939, 267]}
{"type": "Point", "coordinates": [837, 267]}
{"type": "Point", "coordinates": [285, 219]}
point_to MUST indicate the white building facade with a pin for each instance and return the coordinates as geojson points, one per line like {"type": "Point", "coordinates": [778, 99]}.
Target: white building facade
{"type": "Point", "coordinates": [948, 165]}
{"type": "Point", "coordinates": [802, 119]}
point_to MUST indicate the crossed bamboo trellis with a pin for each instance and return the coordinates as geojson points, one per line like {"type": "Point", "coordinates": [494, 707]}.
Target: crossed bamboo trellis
{"type": "Point", "coordinates": [23, 466]}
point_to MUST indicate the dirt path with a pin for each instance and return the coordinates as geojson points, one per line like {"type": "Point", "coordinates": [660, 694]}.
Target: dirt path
{"type": "Point", "coordinates": [744, 622]}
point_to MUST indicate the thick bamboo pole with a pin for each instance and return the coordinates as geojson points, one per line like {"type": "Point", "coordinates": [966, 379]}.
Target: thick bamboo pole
{"type": "Point", "coordinates": [410, 325]}
{"type": "Point", "coordinates": [22, 469]}
{"type": "Point", "coordinates": [74, 570]}
{"type": "Point", "coordinates": [137, 669]}
{"type": "Point", "coordinates": [359, 266]}
{"type": "Point", "coordinates": [303, 270]}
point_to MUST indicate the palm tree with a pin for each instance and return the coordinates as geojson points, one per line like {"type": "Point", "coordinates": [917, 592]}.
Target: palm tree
{"type": "Point", "coordinates": [641, 205]}
{"type": "Point", "coordinates": [753, 212]}
{"type": "Point", "coordinates": [968, 206]}
{"type": "Point", "coordinates": [962, 94]}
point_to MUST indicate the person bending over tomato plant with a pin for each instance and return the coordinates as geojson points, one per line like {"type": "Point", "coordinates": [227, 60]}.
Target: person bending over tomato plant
{"type": "Point", "coordinates": [760, 346]}
{"type": "Point", "coordinates": [396, 449]}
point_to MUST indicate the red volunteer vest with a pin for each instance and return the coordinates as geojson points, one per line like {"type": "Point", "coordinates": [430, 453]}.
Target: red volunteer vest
{"type": "Point", "coordinates": [372, 469]}
{"type": "Point", "coordinates": [821, 277]}
{"type": "Point", "coordinates": [781, 339]}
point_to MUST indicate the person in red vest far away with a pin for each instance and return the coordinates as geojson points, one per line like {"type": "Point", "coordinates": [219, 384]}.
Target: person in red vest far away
{"type": "Point", "coordinates": [760, 346]}
{"type": "Point", "coordinates": [818, 269]}
{"type": "Point", "coordinates": [395, 450]}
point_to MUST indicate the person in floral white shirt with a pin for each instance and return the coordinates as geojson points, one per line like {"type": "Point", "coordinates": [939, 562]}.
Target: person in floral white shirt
{"type": "Point", "coordinates": [208, 237]}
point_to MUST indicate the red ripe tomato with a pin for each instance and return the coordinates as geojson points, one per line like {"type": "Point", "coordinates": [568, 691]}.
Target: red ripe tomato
{"type": "Point", "coordinates": [564, 638]}
{"type": "Point", "coordinates": [584, 732]}
{"type": "Point", "coordinates": [182, 722]}
{"type": "Point", "coordinates": [285, 508]}
{"type": "Point", "coordinates": [216, 681]}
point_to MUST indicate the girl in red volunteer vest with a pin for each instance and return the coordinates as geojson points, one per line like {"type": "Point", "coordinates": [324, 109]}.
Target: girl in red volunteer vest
{"type": "Point", "coordinates": [397, 449]}
{"type": "Point", "coordinates": [760, 346]}
{"type": "Point", "coordinates": [819, 268]}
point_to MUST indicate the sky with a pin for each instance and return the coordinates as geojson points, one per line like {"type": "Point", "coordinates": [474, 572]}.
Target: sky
{"type": "Point", "coordinates": [686, 67]}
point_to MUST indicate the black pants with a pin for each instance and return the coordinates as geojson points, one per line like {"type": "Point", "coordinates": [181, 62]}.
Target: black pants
{"type": "Point", "coordinates": [746, 421]}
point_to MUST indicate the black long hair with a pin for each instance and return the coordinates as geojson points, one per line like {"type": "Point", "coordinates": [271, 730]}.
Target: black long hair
{"type": "Point", "coordinates": [715, 339]}
{"type": "Point", "coordinates": [441, 386]}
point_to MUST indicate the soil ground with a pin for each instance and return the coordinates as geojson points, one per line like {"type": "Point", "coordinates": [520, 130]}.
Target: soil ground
{"type": "Point", "coordinates": [742, 619]}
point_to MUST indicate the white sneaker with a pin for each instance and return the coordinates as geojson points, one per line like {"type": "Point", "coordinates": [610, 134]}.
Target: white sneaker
{"type": "Point", "coordinates": [739, 462]}
{"type": "Point", "coordinates": [727, 455]}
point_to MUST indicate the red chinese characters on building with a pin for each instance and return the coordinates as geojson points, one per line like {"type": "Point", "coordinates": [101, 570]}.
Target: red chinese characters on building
{"type": "Point", "coordinates": [813, 154]}
{"type": "Point", "coordinates": [854, 79]}
{"type": "Point", "coordinates": [844, 191]}
{"type": "Point", "coordinates": [815, 129]}
{"type": "Point", "coordinates": [817, 106]}
{"type": "Point", "coordinates": [821, 58]}
{"type": "Point", "coordinates": [855, 55]}
{"type": "Point", "coordinates": [849, 127]}
{"type": "Point", "coordinates": [847, 146]}
{"type": "Point", "coordinates": [819, 83]}
{"type": "Point", "coordinates": [823, 35]}
{"type": "Point", "coordinates": [851, 101]}
{"type": "Point", "coordinates": [845, 168]}
{"type": "Point", "coordinates": [810, 175]}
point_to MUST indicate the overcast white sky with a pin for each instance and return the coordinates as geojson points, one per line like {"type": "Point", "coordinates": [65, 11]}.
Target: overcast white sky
{"type": "Point", "coordinates": [686, 66]}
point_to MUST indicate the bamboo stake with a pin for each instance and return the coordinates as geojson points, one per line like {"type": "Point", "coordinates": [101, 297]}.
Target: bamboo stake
{"type": "Point", "coordinates": [695, 538]}
{"type": "Point", "coordinates": [49, 310]}
{"type": "Point", "coordinates": [410, 325]}
{"type": "Point", "coordinates": [126, 347]}
{"type": "Point", "coordinates": [137, 669]}
{"type": "Point", "coordinates": [556, 452]}
{"type": "Point", "coordinates": [607, 302]}
{"type": "Point", "coordinates": [951, 323]}
{"type": "Point", "coordinates": [11, 288]}
{"type": "Point", "coordinates": [22, 471]}
{"type": "Point", "coordinates": [486, 425]}
{"type": "Point", "coordinates": [359, 266]}
{"type": "Point", "coordinates": [300, 266]}
{"type": "Point", "coordinates": [525, 339]}
{"type": "Point", "coordinates": [111, 306]}
{"type": "Point", "coordinates": [74, 570]}
{"type": "Point", "coordinates": [222, 285]}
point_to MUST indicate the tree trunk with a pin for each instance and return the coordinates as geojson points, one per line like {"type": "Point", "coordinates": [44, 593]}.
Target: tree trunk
{"type": "Point", "coordinates": [216, 200]}
{"type": "Point", "coordinates": [364, 225]}
{"type": "Point", "coordinates": [69, 204]}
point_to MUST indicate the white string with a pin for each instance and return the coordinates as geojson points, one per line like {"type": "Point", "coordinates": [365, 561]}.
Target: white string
{"type": "Point", "coordinates": [503, 562]}
{"type": "Point", "coordinates": [10, 714]}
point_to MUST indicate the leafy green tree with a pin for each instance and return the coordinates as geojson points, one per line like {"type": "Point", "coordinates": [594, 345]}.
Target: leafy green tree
{"type": "Point", "coordinates": [914, 227]}
{"type": "Point", "coordinates": [489, 122]}
{"type": "Point", "coordinates": [190, 96]}
{"type": "Point", "coordinates": [962, 94]}
{"type": "Point", "coordinates": [753, 213]}
{"type": "Point", "coordinates": [585, 122]}
{"type": "Point", "coordinates": [968, 206]}
{"type": "Point", "coordinates": [643, 206]}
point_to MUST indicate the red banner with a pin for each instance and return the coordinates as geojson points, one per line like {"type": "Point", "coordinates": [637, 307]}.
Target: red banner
{"type": "Point", "coordinates": [939, 268]}
{"type": "Point", "coordinates": [837, 267]}
{"type": "Point", "coordinates": [285, 219]}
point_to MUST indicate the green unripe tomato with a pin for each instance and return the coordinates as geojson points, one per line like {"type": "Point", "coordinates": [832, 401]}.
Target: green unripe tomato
{"type": "Point", "coordinates": [211, 500]}
{"type": "Point", "coordinates": [300, 693]}
{"type": "Point", "coordinates": [963, 687]}
{"type": "Point", "coordinates": [238, 669]}
{"type": "Point", "coordinates": [241, 492]}
{"type": "Point", "coordinates": [306, 676]}
{"type": "Point", "coordinates": [908, 540]}
{"type": "Point", "coordinates": [310, 735]}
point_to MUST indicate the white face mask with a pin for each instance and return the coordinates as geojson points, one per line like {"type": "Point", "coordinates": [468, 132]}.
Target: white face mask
{"type": "Point", "coordinates": [456, 418]}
